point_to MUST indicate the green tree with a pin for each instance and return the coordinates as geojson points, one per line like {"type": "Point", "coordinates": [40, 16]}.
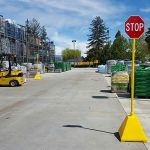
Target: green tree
{"type": "Point", "coordinates": [119, 47]}
{"type": "Point", "coordinates": [91, 55]}
{"type": "Point", "coordinates": [97, 37]}
{"type": "Point", "coordinates": [141, 49]}
{"type": "Point", "coordinates": [105, 53]}
{"type": "Point", "coordinates": [147, 38]}
{"type": "Point", "coordinates": [71, 54]}
{"type": "Point", "coordinates": [118, 34]}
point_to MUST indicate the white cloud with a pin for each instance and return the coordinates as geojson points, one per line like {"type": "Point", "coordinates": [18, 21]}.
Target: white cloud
{"type": "Point", "coordinates": [147, 10]}
{"type": "Point", "coordinates": [59, 14]}
{"type": "Point", "coordinates": [65, 12]}
{"type": "Point", "coordinates": [81, 45]}
{"type": "Point", "coordinates": [82, 8]}
{"type": "Point", "coordinates": [58, 50]}
{"type": "Point", "coordinates": [66, 42]}
{"type": "Point", "coordinates": [116, 24]}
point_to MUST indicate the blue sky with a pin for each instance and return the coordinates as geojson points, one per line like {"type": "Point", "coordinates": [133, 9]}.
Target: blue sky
{"type": "Point", "coordinates": [66, 20]}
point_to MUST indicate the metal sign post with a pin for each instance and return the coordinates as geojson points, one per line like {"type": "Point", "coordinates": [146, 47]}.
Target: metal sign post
{"type": "Point", "coordinates": [131, 129]}
{"type": "Point", "coordinates": [132, 77]}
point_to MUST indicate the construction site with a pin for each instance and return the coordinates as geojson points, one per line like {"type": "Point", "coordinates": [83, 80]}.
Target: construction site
{"type": "Point", "coordinates": [15, 39]}
{"type": "Point", "coordinates": [24, 54]}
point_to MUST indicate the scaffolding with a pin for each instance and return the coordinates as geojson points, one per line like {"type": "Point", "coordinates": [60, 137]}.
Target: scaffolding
{"type": "Point", "coordinates": [14, 39]}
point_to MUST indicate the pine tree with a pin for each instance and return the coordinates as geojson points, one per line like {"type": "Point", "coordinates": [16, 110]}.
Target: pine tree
{"type": "Point", "coordinates": [118, 34]}
{"type": "Point", "coordinates": [98, 36]}
{"type": "Point", "coordinates": [105, 53]}
{"type": "Point", "coordinates": [119, 47]}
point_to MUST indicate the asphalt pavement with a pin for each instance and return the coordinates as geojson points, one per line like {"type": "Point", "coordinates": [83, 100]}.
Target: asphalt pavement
{"type": "Point", "coordinates": [73, 110]}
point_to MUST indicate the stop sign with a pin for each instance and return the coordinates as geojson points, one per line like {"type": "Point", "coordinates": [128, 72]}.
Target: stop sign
{"type": "Point", "coordinates": [134, 27]}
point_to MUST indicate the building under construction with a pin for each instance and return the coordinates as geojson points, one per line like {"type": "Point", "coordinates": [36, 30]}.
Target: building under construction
{"type": "Point", "coordinates": [14, 39]}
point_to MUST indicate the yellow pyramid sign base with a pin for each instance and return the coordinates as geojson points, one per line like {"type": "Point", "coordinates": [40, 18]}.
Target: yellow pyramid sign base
{"type": "Point", "coordinates": [37, 77]}
{"type": "Point", "coordinates": [131, 130]}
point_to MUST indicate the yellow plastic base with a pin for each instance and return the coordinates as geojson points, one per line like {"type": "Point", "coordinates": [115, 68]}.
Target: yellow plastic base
{"type": "Point", "coordinates": [131, 130]}
{"type": "Point", "coordinates": [37, 77]}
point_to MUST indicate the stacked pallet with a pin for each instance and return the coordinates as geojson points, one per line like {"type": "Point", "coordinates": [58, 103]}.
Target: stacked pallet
{"type": "Point", "coordinates": [59, 66]}
{"type": "Point", "coordinates": [142, 83]}
{"type": "Point", "coordinates": [110, 63]}
{"type": "Point", "coordinates": [119, 82]}
{"type": "Point", "coordinates": [143, 66]}
{"type": "Point", "coordinates": [64, 66]}
{"type": "Point", "coordinates": [118, 67]}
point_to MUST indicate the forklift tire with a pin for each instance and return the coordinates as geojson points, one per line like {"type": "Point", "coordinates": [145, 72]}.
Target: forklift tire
{"type": "Point", "coordinates": [13, 83]}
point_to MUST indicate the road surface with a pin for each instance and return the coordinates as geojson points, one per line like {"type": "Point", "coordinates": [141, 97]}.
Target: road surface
{"type": "Point", "coordinates": [65, 111]}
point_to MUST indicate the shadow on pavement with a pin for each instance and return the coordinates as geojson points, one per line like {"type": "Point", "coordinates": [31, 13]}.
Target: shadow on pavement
{"type": "Point", "coordinates": [116, 134]}
{"type": "Point", "coordinates": [128, 95]}
{"type": "Point", "coordinates": [123, 95]}
{"type": "Point", "coordinates": [105, 91]}
{"type": "Point", "coordinates": [100, 97]}
{"type": "Point", "coordinates": [5, 86]}
{"type": "Point", "coordinates": [107, 75]}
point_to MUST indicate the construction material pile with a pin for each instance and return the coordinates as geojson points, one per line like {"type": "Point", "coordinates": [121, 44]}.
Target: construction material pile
{"type": "Point", "coordinates": [118, 67]}
{"type": "Point", "coordinates": [64, 66]}
{"type": "Point", "coordinates": [58, 66]}
{"type": "Point", "coordinates": [110, 63]}
{"type": "Point", "coordinates": [102, 68]}
{"type": "Point", "coordinates": [142, 83]}
{"type": "Point", "coordinates": [119, 81]}
{"type": "Point", "coordinates": [129, 67]}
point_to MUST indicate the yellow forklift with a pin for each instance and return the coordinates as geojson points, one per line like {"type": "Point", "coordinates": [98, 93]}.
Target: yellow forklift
{"type": "Point", "coordinates": [9, 77]}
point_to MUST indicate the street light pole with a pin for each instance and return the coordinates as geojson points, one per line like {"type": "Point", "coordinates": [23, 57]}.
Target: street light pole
{"type": "Point", "coordinates": [74, 41]}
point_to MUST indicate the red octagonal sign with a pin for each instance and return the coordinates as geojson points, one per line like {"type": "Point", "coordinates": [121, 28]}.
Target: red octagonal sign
{"type": "Point", "coordinates": [134, 27]}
